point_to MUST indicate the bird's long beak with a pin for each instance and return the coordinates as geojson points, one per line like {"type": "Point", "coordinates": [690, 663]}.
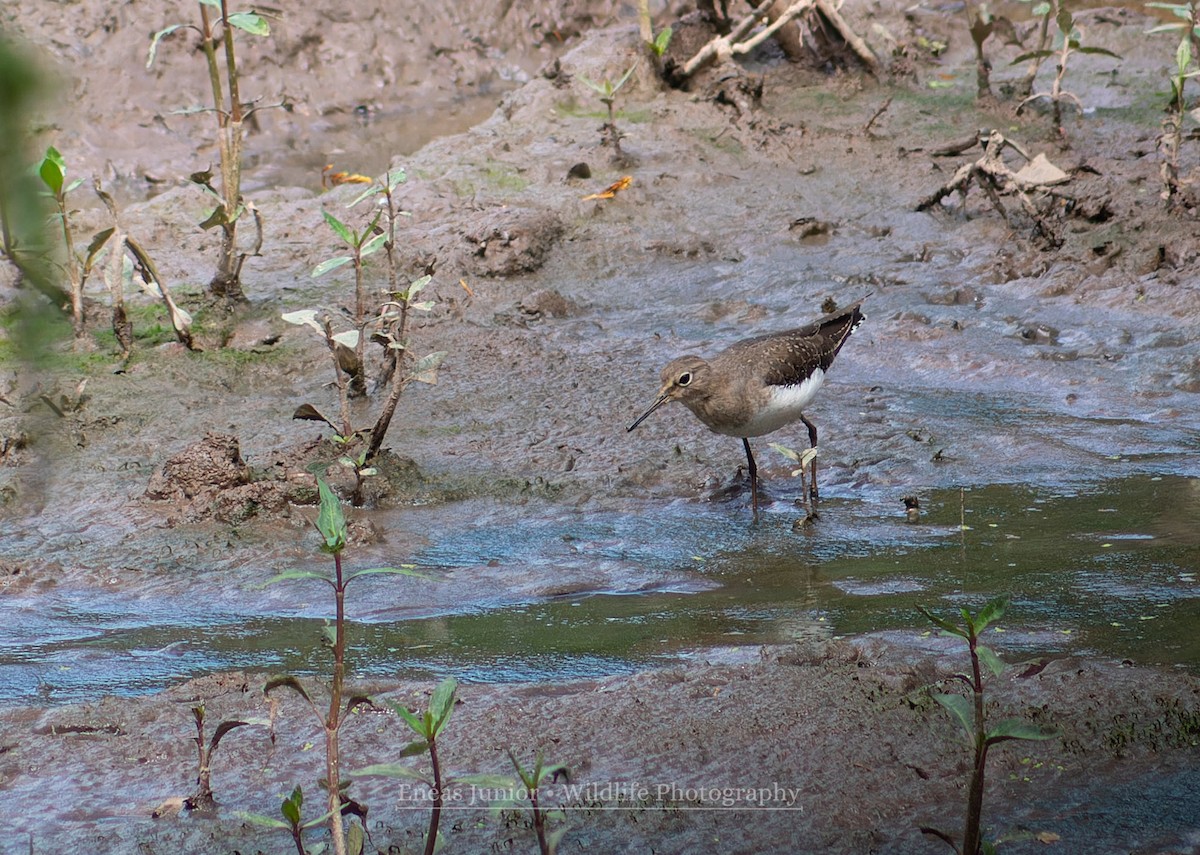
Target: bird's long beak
{"type": "Point", "coordinates": [662, 398]}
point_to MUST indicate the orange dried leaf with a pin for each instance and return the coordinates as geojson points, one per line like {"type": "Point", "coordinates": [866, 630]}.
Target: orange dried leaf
{"type": "Point", "coordinates": [333, 179]}
{"type": "Point", "coordinates": [612, 189]}
{"type": "Point", "coordinates": [466, 287]}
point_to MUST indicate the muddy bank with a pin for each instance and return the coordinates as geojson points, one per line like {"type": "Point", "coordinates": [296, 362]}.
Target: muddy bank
{"type": "Point", "coordinates": [986, 359]}
{"type": "Point", "coordinates": [841, 734]}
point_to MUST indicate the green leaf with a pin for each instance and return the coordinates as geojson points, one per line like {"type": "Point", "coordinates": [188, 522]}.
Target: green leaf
{"type": "Point", "coordinates": [288, 575]}
{"type": "Point", "coordinates": [416, 723]}
{"type": "Point", "coordinates": [73, 185]}
{"type": "Point", "coordinates": [417, 286]}
{"type": "Point", "coordinates": [304, 318]}
{"type": "Point", "coordinates": [1033, 54]}
{"type": "Point", "coordinates": [215, 4]}
{"type": "Point", "coordinates": [373, 245]}
{"type": "Point", "coordinates": [942, 623]}
{"type": "Point", "coordinates": [354, 840]}
{"type": "Point", "coordinates": [605, 89]}
{"type": "Point", "coordinates": [53, 170]}
{"type": "Point", "coordinates": [441, 705]}
{"type": "Point", "coordinates": [331, 264]}
{"type": "Point", "coordinates": [373, 190]}
{"type": "Point", "coordinates": [222, 729]}
{"type": "Point", "coordinates": [388, 770]}
{"type": "Point", "coordinates": [1099, 51]}
{"type": "Point", "coordinates": [960, 708]}
{"type": "Point", "coordinates": [1041, 9]}
{"type": "Point", "coordinates": [420, 746]}
{"type": "Point", "coordinates": [291, 806]}
{"type": "Point", "coordinates": [624, 78]}
{"type": "Point", "coordinates": [255, 25]}
{"type": "Point", "coordinates": [1064, 21]}
{"type": "Point", "coordinates": [217, 218]}
{"type": "Point", "coordinates": [662, 40]}
{"type": "Point", "coordinates": [289, 682]}
{"type": "Point", "coordinates": [989, 658]}
{"type": "Point", "coordinates": [347, 339]}
{"type": "Point", "coordinates": [1183, 56]}
{"type": "Point", "coordinates": [98, 241]}
{"type": "Point", "coordinates": [259, 819]}
{"type": "Point", "coordinates": [425, 369]}
{"type": "Point", "coordinates": [158, 37]}
{"type": "Point", "coordinates": [1012, 728]}
{"type": "Point", "coordinates": [993, 611]}
{"type": "Point", "coordinates": [396, 177]}
{"type": "Point", "coordinates": [395, 571]}
{"type": "Point", "coordinates": [340, 229]}
{"type": "Point", "coordinates": [331, 523]}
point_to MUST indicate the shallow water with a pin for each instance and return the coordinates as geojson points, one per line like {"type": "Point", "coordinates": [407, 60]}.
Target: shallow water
{"type": "Point", "coordinates": [1110, 570]}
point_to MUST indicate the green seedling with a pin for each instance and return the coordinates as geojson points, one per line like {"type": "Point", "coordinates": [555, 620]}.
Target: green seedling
{"type": "Point", "coordinates": [331, 524]}
{"type": "Point", "coordinates": [428, 724]}
{"type": "Point", "coordinates": [969, 713]}
{"type": "Point", "coordinates": [1067, 42]}
{"type": "Point", "coordinates": [607, 91]}
{"type": "Point", "coordinates": [202, 800]}
{"type": "Point", "coordinates": [1171, 138]}
{"type": "Point", "coordinates": [362, 244]}
{"type": "Point", "coordinates": [386, 324]}
{"type": "Point", "coordinates": [531, 781]}
{"type": "Point", "coordinates": [231, 118]}
{"type": "Point", "coordinates": [125, 257]}
{"type": "Point", "coordinates": [292, 821]}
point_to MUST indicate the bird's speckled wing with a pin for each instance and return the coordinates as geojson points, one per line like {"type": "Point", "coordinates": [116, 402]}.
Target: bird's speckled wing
{"type": "Point", "coordinates": [791, 357]}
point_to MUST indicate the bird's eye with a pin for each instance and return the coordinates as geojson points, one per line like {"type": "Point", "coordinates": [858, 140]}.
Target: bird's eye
{"type": "Point", "coordinates": [684, 379]}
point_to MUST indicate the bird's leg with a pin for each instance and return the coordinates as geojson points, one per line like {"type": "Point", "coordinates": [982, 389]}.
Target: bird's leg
{"type": "Point", "coordinates": [753, 476]}
{"type": "Point", "coordinates": [812, 441]}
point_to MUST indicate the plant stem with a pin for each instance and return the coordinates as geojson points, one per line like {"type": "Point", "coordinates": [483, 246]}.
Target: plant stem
{"type": "Point", "coordinates": [435, 815]}
{"type": "Point", "coordinates": [539, 822]}
{"type": "Point", "coordinates": [972, 832]}
{"type": "Point", "coordinates": [72, 265]}
{"type": "Point", "coordinates": [358, 383]}
{"type": "Point", "coordinates": [333, 722]}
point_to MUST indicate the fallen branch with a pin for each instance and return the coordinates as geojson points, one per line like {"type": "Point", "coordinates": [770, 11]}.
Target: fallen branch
{"type": "Point", "coordinates": [995, 178]}
{"type": "Point", "coordinates": [723, 48]}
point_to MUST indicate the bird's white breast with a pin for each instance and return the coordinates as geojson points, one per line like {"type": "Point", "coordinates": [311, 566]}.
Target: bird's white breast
{"type": "Point", "coordinates": [783, 407]}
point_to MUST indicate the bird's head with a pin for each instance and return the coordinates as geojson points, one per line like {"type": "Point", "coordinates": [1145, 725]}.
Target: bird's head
{"type": "Point", "coordinates": [684, 379]}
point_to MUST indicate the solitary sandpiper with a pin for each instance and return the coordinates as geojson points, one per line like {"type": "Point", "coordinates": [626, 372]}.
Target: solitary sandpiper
{"type": "Point", "coordinates": [758, 385]}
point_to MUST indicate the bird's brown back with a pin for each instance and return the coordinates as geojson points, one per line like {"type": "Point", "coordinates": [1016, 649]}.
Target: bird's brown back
{"type": "Point", "coordinates": [789, 357]}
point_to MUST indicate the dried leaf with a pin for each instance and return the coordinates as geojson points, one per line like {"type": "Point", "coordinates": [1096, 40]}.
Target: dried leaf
{"type": "Point", "coordinates": [612, 189]}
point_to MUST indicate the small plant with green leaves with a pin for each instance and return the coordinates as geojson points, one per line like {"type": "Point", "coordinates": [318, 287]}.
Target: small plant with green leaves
{"type": "Point", "coordinates": [428, 725]}
{"type": "Point", "coordinates": [529, 783]}
{"type": "Point", "coordinates": [202, 800]}
{"type": "Point", "coordinates": [293, 820]}
{"type": "Point", "coordinates": [231, 113]}
{"type": "Point", "coordinates": [362, 244]}
{"type": "Point", "coordinates": [331, 524]}
{"type": "Point", "coordinates": [126, 256]}
{"type": "Point", "coordinates": [1067, 42]}
{"type": "Point", "coordinates": [386, 324]}
{"type": "Point", "coordinates": [970, 714]}
{"type": "Point", "coordinates": [1186, 67]}
{"type": "Point", "coordinates": [607, 91]}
